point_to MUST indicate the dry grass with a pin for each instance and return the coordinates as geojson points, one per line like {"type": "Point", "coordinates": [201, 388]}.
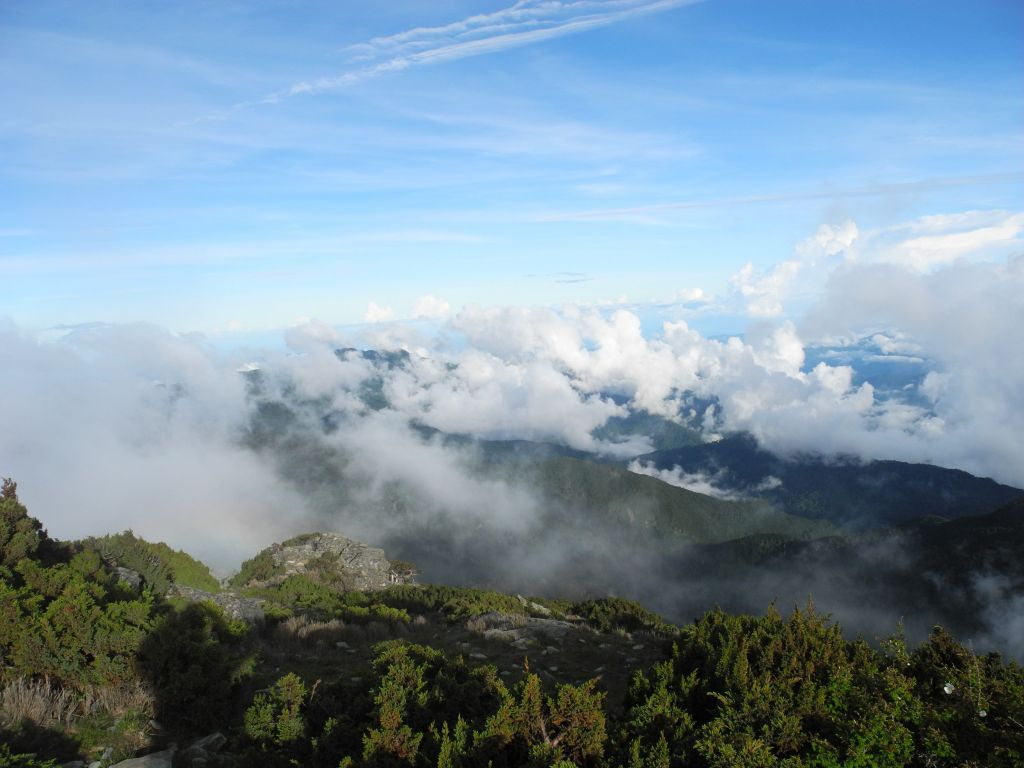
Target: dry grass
{"type": "Point", "coordinates": [119, 700]}
{"type": "Point", "coordinates": [37, 701]}
{"type": "Point", "coordinates": [301, 630]}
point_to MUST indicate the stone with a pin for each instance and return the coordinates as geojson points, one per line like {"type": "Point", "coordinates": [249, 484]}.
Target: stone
{"type": "Point", "coordinates": [533, 607]}
{"type": "Point", "coordinates": [357, 566]}
{"type": "Point", "coordinates": [211, 743]}
{"type": "Point", "coordinates": [132, 578]}
{"type": "Point", "coordinates": [188, 757]}
{"type": "Point", "coordinates": [503, 635]}
{"type": "Point", "coordinates": [163, 759]}
{"type": "Point", "coordinates": [73, 764]}
{"type": "Point", "coordinates": [248, 609]}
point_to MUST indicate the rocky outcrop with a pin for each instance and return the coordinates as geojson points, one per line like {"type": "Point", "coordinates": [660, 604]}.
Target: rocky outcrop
{"type": "Point", "coordinates": [235, 606]}
{"type": "Point", "coordinates": [522, 631]}
{"type": "Point", "coordinates": [155, 760]}
{"type": "Point", "coordinates": [132, 578]}
{"type": "Point", "coordinates": [197, 754]}
{"type": "Point", "coordinates": [350, 564]}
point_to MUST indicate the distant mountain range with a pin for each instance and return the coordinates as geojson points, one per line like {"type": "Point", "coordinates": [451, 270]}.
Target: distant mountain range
{"type": "Point", "coordinates": [849, 493]}
{"type": "Point", "coordinates": [869, 541]}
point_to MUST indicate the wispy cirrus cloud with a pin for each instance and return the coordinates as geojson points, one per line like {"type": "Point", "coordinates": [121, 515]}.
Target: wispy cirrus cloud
{"type": "Point", "coordinates": [523, 23]}
{"type": "Point", "coordinates": [637, 212]}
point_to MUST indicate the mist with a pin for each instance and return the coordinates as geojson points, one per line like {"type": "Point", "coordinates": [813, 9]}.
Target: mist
{"type": "Point", "coordinates": [111, 427]}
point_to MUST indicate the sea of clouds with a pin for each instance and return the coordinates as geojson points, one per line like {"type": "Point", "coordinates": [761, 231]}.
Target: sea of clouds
{"type": "Point", "coordinates": [114, 426]}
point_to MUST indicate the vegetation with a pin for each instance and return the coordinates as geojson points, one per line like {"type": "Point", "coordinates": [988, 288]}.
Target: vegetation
{"type": "Point", "coordinates": [850, 494]}
{"type": "Point", "coordinates": [158, 564]}
{"type": "Point", "coordinates": [86, 662]}
{"type": "Point", "coordinates": [661, 515]}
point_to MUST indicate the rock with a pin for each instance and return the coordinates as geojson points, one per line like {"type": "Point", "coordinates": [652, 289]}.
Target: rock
{"type": "Point", "coordinates": [248, 609]}
{"type": "Point", "coordinates": [73, 764]}
{"type": "Point", "coordinates": [533, 607]}
{"type": "Point", "coordinates": [191, 757]}
{"type": "Point", "coordinates": [477, 655]}
{"type": "Point", "coordinates": [133, 578]}
{"type": "Point", "coordinates": [163, 759]}
{"type": "Point", "coordinates": [355, 565]}
{"type": "Point", "coordinates": [503, 635]}
{"type": "Point", "coordinates": [211, 743]}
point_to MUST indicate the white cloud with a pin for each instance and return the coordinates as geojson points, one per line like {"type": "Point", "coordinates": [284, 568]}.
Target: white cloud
{"type": "Point", "coordinates": [133, 427]}
{"type": "Point", "coordinates": [934, 241]}
{"type": "Point", "coordinates": [698, 482]}
{"type": "Point", "coordinates": [431, 307]}
{"type": "Point", "coordinates": [378, 314]}
{"type": "Point", "coordinates": [829, 240]}
{"type": "Point", "coordinates": [524, 23]}
{"type": "Point", "coordinates": [764, 294]}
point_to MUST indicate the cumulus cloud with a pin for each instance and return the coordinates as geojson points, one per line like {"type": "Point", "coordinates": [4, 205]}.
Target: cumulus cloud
{"type": "Point", "coordinates": [765, 293]}
{"type": "Point", "coordinates": [430, 306]}
{"type": "Point", "coordinates": [378, 314]}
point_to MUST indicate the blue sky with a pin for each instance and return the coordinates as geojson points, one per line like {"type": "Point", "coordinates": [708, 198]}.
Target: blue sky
{"type": "Point", "coordinates": [232, 167]}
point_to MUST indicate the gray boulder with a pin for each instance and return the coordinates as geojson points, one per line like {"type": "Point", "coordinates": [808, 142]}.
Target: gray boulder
{"type": "Point", "coordinates": [351, 564]}
{"type": "Point", "coordinates": [132, 578]}
{"type": "Point", "coordinates": [247, 609]}
{"type": "Point", "coordinates": [163, 759]}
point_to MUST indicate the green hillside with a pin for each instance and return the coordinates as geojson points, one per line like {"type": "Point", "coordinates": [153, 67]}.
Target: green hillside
{"type": "Point", "coordinates": [586, 494]}
{"type": "Point", "coordinates": [846, 492]}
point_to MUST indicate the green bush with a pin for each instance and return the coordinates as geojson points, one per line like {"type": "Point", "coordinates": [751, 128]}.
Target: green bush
{"type": "Point", "coordinates": [193, 659]}
{"type": "Point", "coordinates": [275, 718]}
{"type": "Point", "coordinates": [611, 613]}
{"type": "Point", "coordinates": [159, 565]}
{"type": "Point", "coordinates": [10, 760]}
{"type": "Point", "coordinates": [259, 568]}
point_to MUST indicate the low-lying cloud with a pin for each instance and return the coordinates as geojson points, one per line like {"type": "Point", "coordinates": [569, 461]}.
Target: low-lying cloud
{"type": "Point", "coordinates": [132, 426]}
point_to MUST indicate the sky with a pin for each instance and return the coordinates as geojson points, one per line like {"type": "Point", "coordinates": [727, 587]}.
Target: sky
{"type": "Point", "coordinates": [234, 169]}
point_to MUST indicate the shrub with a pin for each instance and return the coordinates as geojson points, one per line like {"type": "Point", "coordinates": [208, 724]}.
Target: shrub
{"type": "Point", "coordinates": [275, 717]}
{"type": "Point", "coordinates": [193, 659]}
{"type": "Point", "coordinates": [159, 565]}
